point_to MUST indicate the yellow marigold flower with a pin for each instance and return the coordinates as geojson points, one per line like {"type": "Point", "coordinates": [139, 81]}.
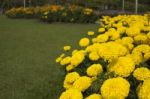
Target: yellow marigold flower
{"type": "Point", "coordinates": [71, 94]}
{"type": "Point", "coordinates": [109, 33]}
{"type": "Point", "coordinates": [67, 48]}
{"type": "Point", "coordinates": [137, 58]}
{"type": "Point", "coordinates": [133, 31]}
{"type": "Point", "coordinates": [84, 42]}
{"type": "Point", "coordinates": [71, 77]}
{"type": "Point", "coordinates": [94, 56]}
{"type": "Point", "coordinates": [144, 90]}
{"type": "Point", "coordinates": [115, 35]}
{"type": "Point", "coordinates": [101, 30]}
{"type": "Point", "coordinates": [127, 40]}
{"type": "Point", "coordinates": [93, 48]}
{"type": "Point", "coordinates": [94, 96]}
{"type": "Point", "coordinates": [142, 38]}
{"type": "Point", "coordinates": [147, 56]}
{"type": "Point", "coordinates": [94, 40]}
{"type": "Point", "coordinates": [143, 48]}
{"type": "Point", "coordinates": [94, 70]}
{"type": "Point", "coordinates": [118, 25]}
{"type": "Point", "coordinates": [69, 67]}
{"type": "Point", "coordinates": [67, 85]}
{"type": "Point", "coordinates": [129, 46]}
{"type": "Point", "coordinates": [142, 73]}
{"type": "Point", "coordinates": [60, 58]}
{"type": "Point", "coordinates": [90, 33]}
{"type": "Point", "coordinates": [124, 66]}
{"type": "Point", "coordinates": [82, 83]}
{"type": "Point", "coordinates": [146, 28]}
{"type": "Point", "coordinates": [74, 51]}
{"type": "Point", "coordinates": [112, 30]}
{"type": "Point", "coordinates": [115, 88]}
{"type": "Point", "coordinates": [148, 35]}
{"type": "Point", "coordinates": [111, 50]}
{"type": "Point", "coordinates": [102, 38]}
{"type": "Point", "coordinates": [62, 55]}
{"type": "Point", "coordinates": [121, 30]}
{"type": "Point", "coordinates": [65, 61]}
{"type": "Point", "coordinates": [77, 58]}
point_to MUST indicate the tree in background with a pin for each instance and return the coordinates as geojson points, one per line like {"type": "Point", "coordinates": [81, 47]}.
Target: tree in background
{"type": "Point", "coordinates": [17, 3]}
{"type": "Point", "coordinates": [6, 4]}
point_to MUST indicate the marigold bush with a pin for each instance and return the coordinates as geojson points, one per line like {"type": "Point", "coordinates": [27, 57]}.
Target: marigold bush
{"type": "Point", "coordinates": [29, 12]}
{"type": "Point", "coordinates": [112, 62]}
{"type": "Point", "coordinates": [55, 13]}
{"type": "Point", "coordinates": [73, 14]}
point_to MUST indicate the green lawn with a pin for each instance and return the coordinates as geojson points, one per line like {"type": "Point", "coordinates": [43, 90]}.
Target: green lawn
{"type": "Point", "coordinates": [28, 49]}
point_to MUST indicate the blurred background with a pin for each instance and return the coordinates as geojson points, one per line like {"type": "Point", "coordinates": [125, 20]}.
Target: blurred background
{"type": "Point", "coordinates": [103, 6]}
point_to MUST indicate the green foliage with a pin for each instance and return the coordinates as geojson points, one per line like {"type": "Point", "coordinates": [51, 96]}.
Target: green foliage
{"type": "Point", "coordinates": [133, 86]}
{"type": "Point", "coordinates": [96, 85]}
{"type": "Point", "coordinates": [148, 63]}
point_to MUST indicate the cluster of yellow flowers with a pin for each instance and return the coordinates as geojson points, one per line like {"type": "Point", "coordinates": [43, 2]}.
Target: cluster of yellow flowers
{"type": "Point", "coordinates": [52, 8]}
{"type": "Point", "coordinates": [123, 44]}
{"type": "Point", "coordinates": [21, 10]}
{"type": "Point", "coordinates": [34, 10]}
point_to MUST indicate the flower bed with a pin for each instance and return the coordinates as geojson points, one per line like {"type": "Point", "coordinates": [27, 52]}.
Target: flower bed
{"type": "Point", "coordinates": [55, 13]}
{"type": "Point", "coordinates": [112, 63]}
{"type": "Point", "coordinates": [21, 12]}
{"type": "Point", "coordinates": [74, 14]}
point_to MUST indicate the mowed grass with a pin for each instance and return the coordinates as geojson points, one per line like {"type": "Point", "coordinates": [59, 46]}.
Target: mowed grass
{"type": "Point", "coordinates": [28, 49]}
